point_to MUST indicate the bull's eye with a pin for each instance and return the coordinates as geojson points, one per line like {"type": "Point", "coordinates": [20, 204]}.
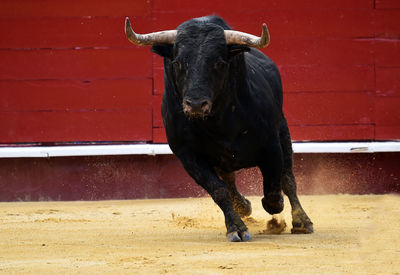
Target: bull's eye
{"type": "Point", "coordinates": [177, 65]}
{"type": "Point", "coordinates": [220, 64]}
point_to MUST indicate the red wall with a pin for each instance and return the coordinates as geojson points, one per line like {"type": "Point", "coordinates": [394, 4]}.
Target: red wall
{"type": "Point", "coordinates": [68, 74]}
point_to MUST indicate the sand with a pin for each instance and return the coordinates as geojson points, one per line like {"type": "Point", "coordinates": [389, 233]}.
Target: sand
{"type": "Point", "coordinates": [353, 235]}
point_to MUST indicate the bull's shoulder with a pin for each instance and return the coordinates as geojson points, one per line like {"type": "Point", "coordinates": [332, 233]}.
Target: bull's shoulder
{"type": "Point", "coordinates": [255, 59]}
{"type": "Point", "coordinates": [264, 78]}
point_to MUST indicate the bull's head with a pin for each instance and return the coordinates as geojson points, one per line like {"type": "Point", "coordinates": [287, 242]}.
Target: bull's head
{"type": "Point", "coordinates": [197, 59]}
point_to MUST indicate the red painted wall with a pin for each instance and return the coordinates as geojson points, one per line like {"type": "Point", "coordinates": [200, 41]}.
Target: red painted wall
{"type": "Point", "coordinates": [68, 74]}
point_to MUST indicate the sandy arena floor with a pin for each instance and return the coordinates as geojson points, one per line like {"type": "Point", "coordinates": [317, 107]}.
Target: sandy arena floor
{"type": "Point", "coordinates": [353, 235]}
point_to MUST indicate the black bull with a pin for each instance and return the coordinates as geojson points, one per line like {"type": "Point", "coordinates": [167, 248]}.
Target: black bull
{"type": "Point", "coordinates": [222, 111]}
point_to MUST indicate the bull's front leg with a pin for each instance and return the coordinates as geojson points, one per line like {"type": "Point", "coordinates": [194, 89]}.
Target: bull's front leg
{"type": "Point", "coordinates": [241, 205]}
{"type": "Point", "coordinates": [271, 168]}
{"type": "Point", "coordinates": [206, 177]}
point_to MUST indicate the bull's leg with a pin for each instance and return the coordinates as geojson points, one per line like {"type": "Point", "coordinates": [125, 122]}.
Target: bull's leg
{"type": "Point", "coordinates": [271, 169]}
{"type": "Point", "coordinates": [241, 205]}
{"type": "Point", "coordinates": [206, 177]}
{"type": "Point", "coordinates": [300, 221]}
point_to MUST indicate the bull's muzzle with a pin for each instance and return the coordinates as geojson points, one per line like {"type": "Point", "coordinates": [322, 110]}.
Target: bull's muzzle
{"type": "Point", "coordinates": [197, 107]}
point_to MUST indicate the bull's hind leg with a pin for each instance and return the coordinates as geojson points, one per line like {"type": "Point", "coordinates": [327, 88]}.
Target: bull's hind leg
{"type": "Point", "coordinates": [241, 205]}
{"type": "Point", "coordinates": [300, 221]}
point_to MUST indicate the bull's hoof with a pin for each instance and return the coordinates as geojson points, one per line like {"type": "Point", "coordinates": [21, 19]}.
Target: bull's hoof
{"type": "Point", "coordinates": [245, 236]}
{"type": "Point", "coordinates": [238, 236]}
{"type": "Point", "coordinates": [233, 237]}
{"type": "Point", "coordinates": [301, 222]}
{"type": "Point", "coordinates": [303, 228]}
{"type": "Point", "coordinates": [273, 203]}
{"type": "Point", "coordinates": [242, 206]}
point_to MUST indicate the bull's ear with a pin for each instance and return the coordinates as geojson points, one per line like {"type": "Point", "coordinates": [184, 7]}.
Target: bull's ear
{"type": "Point", "coordinates": [236, 49]}
{"type": "Point", "coordinates": [164, 50]}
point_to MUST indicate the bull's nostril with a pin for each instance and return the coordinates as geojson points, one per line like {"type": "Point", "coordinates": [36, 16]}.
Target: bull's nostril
{"type": "Point", "coordinates": [205, 106]}
{"type": "Point", "coordinates": [187, 108]}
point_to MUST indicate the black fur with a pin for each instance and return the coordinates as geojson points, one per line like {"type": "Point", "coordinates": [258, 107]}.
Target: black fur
{"type": "Point", "coordinates": [245, 126]}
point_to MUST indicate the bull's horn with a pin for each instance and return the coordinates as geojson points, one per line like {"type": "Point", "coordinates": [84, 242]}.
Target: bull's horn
{"type": "Point", "coordinates": [242, 38]}
{"type": "Point", "coordinates": [149, 39]}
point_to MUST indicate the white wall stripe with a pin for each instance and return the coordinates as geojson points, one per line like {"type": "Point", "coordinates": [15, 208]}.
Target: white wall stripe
{"type": "Point", "coordinates": [163, 149]}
